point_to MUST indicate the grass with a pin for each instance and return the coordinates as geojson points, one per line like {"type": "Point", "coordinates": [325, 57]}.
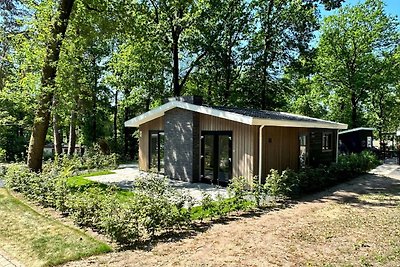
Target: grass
{"type": "Point", "coordinates": [80, 184]}
{"type": "Point", "coordinates": [37, 240]}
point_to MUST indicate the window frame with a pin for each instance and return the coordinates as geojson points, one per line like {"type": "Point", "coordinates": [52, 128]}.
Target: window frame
{"type": "Point", "coordinates": [329, 146]}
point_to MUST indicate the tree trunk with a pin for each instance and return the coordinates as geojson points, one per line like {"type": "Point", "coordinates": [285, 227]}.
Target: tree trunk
{"type": "Point", "coordinates": [127, 116]}
{"type": "Point", "coordinates": [265, 62]}
{"type": "Point", "coordinates": [228, 64]}
{"type": "Point", "coordinates": [49, 71]}
{"type": "Point", "coordinates": [116, 119]}
{"type": "Point", "coordinates": [72, 134]}
{"type": "Point", "coordinates": [175, 55]}
{"type": "Point", "coordinates": [56, 131]}
{"type": "Point", "coordinates": [354, 119]}
{"type": "Point", "coordinates": [94, 108]}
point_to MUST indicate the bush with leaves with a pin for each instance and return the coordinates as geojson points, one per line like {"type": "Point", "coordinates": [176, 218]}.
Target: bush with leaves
{"type": "Point", "coordinates": [258, 192]}
{"type": "Point", "coordinates": [310, 180]}
{"type": "Point", "coordinates": [2, 155]}
{"type": "Point", "coordinates": [238, 189]}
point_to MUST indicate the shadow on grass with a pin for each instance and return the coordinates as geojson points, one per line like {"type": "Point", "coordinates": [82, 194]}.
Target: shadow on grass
{"type": "Point", "coordinates": [366, 191]}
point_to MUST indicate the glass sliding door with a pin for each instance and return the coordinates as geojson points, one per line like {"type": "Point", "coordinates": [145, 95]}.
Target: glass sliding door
{"type": "Point", "coordinates": [156, 151]}
{"type": "Point", "coordinates": [216, 157]}
{"type": "Point", "coordinates": [208, 172]}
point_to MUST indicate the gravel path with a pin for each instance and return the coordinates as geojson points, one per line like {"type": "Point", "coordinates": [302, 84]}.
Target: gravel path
{"type": "Point", "coordinates": [125, 177]}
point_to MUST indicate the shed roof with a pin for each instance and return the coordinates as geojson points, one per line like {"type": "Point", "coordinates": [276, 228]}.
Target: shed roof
{"type": "Point", "coordinates": [242, 115]}
{"type": "Point", "coordinates": [356, 129]}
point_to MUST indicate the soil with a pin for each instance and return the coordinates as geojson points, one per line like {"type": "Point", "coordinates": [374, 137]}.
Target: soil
{"type": "Point", "coordinates": [355, 223]}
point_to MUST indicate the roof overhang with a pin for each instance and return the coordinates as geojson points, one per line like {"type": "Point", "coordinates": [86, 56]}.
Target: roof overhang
{"type": "Point", "coordinates": [160, 111]}
{"type": "Point", "coordinates": [357, 129]}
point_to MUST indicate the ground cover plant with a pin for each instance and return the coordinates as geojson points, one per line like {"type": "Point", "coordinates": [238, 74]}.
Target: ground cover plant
{"type": "Point", "coordinates": [37, 240]}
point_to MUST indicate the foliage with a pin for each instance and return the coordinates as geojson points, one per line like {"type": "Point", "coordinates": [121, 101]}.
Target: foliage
{"type": "Point", "coordinates": [280, 185]}
{"type": "Point", "coordinates": [237, 189]}
{"type": "Point", "coordinates": [310, 180]}
{"type": "Point", "coordinates": [2, 155]}
{"type": "Point", "coordinates": [356, 49]}
{"type": "Point", "coordinates": [93, 159]}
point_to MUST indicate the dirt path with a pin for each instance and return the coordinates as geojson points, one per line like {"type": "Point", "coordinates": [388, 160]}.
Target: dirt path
{"type": "Point", "coordinates": [356, 223]}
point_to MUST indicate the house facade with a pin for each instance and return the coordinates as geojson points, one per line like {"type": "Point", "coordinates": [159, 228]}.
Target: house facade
{"type": "Point", "coordinates": [356, 140]}
{"type": "Point", "coordinates": [189, 141]}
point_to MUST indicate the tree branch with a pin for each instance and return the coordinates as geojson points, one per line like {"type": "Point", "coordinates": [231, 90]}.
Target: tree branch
{"type": "Point", "coordinates": [194, 64]}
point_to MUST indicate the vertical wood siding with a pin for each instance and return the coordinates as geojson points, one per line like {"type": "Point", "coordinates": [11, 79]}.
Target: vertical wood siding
{"type": "Point", "coordinates": [280, 149]}
{"type": "Point", "coordinates": [156, 124]}
{"type": "Point", "coordinates": [244, 143]}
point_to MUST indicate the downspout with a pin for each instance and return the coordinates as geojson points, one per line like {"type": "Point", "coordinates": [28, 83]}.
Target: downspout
{"type": "Point", "coordinates": [260, 159]}
{"type": "Point", "coordinates": [337, 145]}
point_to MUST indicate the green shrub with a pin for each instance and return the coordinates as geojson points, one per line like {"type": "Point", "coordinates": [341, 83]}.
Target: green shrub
{"type": "Point", "coordinates": [275, 185]}
{"type": "Point", "coordinates": [2, 155]}
{"type": "Point", "coordinates": [120, 221]}
{"type": "Point", "coordinates": [258, 191]}
{"type": "Point", "coordinates": [310, 180]}
{"type": "Point", "coordinates": [238, 189]}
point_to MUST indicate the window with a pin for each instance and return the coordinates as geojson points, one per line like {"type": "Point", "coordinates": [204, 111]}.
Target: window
{"type": "Point", "coordinates": [156, 151]}
{"type": "Point", "coordinates": [327, 141]}
{"type": "Point", "coordinates": [303, 157]}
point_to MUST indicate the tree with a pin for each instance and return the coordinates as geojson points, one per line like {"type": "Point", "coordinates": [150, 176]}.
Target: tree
{"type": "Point", "coordinates": [283, 31]}
{"type": "Point", "coordinates": [225, 32]}
{"type": "Point", "coordinates": [383, 101]}
{"type": "Point", "coordinates": [350, 41]}
{"type": "Point", "coordinates": [49, 70]}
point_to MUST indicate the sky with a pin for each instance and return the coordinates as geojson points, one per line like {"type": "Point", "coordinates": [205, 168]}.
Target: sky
{"type": "Point", "coordinates": [392, 7]}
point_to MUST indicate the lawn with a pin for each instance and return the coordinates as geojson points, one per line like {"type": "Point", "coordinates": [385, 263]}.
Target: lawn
{"type": "Point", "coordinates": [37, 240]}
{"type": "Point", "coordinates": [80, 183]}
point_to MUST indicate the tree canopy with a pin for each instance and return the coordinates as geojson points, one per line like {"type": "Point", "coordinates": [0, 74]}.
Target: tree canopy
{"type": "Point", "coordinates": [72, 71]}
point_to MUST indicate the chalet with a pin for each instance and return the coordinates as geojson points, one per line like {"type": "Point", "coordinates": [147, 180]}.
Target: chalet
{"type": "Point", "coordinates": [356, 140]}
{"type": "Point", "coordinates": [187, 140]}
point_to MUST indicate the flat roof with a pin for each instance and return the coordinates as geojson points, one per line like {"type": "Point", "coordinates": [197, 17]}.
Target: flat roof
{"type": "Point", "coordinates": [357, 129]}
{"type": "Point", "coordinates": [242, 115]}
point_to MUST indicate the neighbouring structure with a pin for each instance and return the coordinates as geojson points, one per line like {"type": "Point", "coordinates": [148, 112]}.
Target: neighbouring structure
{"type": "Point", "coordinates": [189, 141]}
{"type": "Point", "coordinates": [356, 140]}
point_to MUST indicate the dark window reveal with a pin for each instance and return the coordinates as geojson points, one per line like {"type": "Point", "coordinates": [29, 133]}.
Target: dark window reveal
{"type": "Point", "coordinates": [327, 141]}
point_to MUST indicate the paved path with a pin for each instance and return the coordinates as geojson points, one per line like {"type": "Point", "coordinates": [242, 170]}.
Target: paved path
{"type": "Point", "coordinates": [126, 175]}
{"type": "Point", "coordinates": [390, 167]}
{"type": "Point", "coordinates": [5, 261]}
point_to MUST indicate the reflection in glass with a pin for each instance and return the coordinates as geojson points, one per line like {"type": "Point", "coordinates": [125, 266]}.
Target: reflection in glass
{"type": "Point", "coordinates": [223, 160]}
{"type": "Point", "coordinates": [161, 151]}
{"type": "Point", "coordinates": [216, 155]}
{"type": "Point", "coordinates": [208, 157]}
{"type": "Point", "coordinates": [157, 152]}
{"type": "Point", "coordinates": [303, 150]}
